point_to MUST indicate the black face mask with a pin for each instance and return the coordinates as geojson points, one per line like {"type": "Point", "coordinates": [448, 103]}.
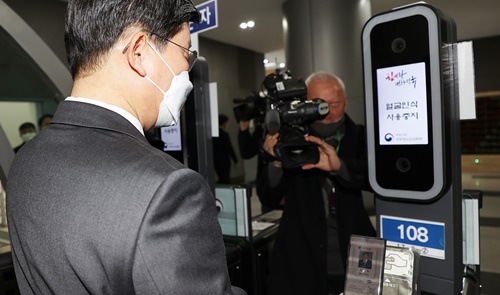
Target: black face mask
{"type": "Point", "coordinates": [323, 130]}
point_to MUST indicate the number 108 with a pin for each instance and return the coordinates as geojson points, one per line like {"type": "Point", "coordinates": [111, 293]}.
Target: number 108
{"type": "Point", "coordinates": [413, 233]}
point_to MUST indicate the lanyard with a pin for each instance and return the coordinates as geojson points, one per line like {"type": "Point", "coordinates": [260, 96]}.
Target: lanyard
{"type": "Point", "coordinates": [338, 144]}
{"type": "Point", "coordinates": [338, 135]}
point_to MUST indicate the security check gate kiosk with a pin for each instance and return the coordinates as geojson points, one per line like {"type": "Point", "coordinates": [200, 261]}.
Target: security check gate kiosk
{"type": "Point", "coordinates": [412, 119]}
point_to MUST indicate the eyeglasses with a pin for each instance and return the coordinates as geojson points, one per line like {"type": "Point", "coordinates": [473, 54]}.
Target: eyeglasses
{"type": "Point", "coordinates": [192, 54]}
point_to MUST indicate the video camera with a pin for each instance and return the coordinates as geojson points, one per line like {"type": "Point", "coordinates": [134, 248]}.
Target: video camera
{"type": "Point", "coordinates": [283, 108]}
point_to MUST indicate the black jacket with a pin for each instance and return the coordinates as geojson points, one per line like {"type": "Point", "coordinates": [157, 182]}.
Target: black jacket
{"type": "Point", "coordinates": [298, 262]}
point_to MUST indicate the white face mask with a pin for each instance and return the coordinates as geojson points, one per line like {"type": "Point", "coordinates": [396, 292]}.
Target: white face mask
{"type": "Point", "coordinates": [28, 136]}
{"type": "Point", "coordinates": [174, 98]}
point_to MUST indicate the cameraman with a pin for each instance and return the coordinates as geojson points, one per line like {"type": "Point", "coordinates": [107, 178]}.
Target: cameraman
{"type": "Point", "coordinates": [323, 201]}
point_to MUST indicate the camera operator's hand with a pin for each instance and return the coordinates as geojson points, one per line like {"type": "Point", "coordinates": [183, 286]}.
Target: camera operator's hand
{"type": "Point", "coordinates": [328, 159]}
{"type": "Point", "coordinates": [269, 142]}
{"type": "Point", "coordinates": [268, 146]}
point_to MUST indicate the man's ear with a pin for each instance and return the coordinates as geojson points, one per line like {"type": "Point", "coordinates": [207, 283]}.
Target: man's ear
{"type": "Point", "coordinates": [134, 53]}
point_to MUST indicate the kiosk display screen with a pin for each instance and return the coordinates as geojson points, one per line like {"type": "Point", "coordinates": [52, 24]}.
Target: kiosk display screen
{"type": "Point", "coordinates": [171, 136]}
{"type": "Point", "coordinates": [402, 105]}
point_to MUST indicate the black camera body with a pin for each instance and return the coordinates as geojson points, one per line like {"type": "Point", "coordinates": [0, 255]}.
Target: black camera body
{"type": "Point", "coordinates": [287, 111]}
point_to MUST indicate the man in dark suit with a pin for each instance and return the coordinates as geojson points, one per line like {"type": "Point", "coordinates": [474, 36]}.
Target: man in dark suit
{"type": "Point", "coordinates": [93, 208]}
{"type": "Point", "coordinates": [323, 201]}
{"type": "Point", "coordinates": [223, 152]}
{"type": "Point", "coordinates": [365, 262]}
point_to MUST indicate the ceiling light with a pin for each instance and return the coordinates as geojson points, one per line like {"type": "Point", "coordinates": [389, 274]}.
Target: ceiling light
{"type": "Point", "coordinates": [248, 24]}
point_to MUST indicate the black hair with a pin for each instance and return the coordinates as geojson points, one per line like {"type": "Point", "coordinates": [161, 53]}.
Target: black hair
{"type": "Point", "coordinates": [223, 119]}
{"type": "Point", "coordinates": [42, 118]}
{"type": "Point", "coordinates": [92, 27]}
{"type": "Point", "coordinates": [26, 125]}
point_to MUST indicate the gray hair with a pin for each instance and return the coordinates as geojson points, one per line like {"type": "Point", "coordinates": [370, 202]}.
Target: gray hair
{"type": "Point", "coordinates": [325, 77]}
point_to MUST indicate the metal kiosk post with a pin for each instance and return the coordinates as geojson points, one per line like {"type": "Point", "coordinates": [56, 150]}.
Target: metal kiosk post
{"type": "Point", "coordinates": [412, 119]}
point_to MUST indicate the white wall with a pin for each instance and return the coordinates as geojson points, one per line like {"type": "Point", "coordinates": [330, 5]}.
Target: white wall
{"type": "Point", "coordinates": [12, 115]}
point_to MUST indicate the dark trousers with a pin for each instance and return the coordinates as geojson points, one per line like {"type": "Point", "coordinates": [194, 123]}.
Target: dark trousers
{"type": "Point", "coordinates": [223, 170]}
{"type": "Point", "coordinates": [335, 284]}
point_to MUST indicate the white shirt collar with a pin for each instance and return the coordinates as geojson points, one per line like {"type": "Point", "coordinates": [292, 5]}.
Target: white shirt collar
{"type": "Point", "coordinates": [110, 107]}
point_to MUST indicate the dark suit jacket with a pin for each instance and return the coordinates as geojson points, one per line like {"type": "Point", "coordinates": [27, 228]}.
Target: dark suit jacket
{"type": "Point", "coordinates": [300, 251]}
{"type": "Point", "coordinates": [93, 208]}
{"type": "Point", "coordinates": [16, 149]}
{"type": "Point", "coordinates": [223, 152]}
{"type": "Point", "coordinates": [367, 264]}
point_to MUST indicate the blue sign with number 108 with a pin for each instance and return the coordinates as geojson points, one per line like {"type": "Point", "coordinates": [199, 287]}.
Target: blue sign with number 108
{"type": "Point", "coordinates": [413, 232]}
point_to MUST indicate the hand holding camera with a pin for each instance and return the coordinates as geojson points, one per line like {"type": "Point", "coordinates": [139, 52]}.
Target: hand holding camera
{"type": "Point", "coordinates": [328, 159]}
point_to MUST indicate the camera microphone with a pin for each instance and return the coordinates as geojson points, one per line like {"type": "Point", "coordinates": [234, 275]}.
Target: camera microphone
{"type": "Point", "coordinates": [273, 121]}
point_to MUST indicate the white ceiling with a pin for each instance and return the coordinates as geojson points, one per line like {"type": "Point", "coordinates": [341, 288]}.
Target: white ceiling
{"type": "Point", "coordinates": [474, 19]}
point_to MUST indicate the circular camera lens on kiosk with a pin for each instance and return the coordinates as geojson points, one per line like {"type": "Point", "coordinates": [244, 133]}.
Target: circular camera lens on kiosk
{"type": "Point", "coordinates": [398, 45]}
{"type": "Point", "coordinates": [403, 165]}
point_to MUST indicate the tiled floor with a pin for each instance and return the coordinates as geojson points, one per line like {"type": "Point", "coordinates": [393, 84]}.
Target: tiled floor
{"type": "Point", "coordinates": [489, 228]}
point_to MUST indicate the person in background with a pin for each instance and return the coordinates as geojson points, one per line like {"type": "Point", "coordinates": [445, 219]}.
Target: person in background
{"type": "Point", "coordinates": [250, 145]}
{"type": "Point", "coordinates": [223, 152]}
{"type": "Point", "coordinates": [323, 201]}
{"type": "Point", "coordinates": [44, 121]}
{"type": "Point", "coordinates": [95, 209]}
{"type": "Point", "coordinates": [26, 131]}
